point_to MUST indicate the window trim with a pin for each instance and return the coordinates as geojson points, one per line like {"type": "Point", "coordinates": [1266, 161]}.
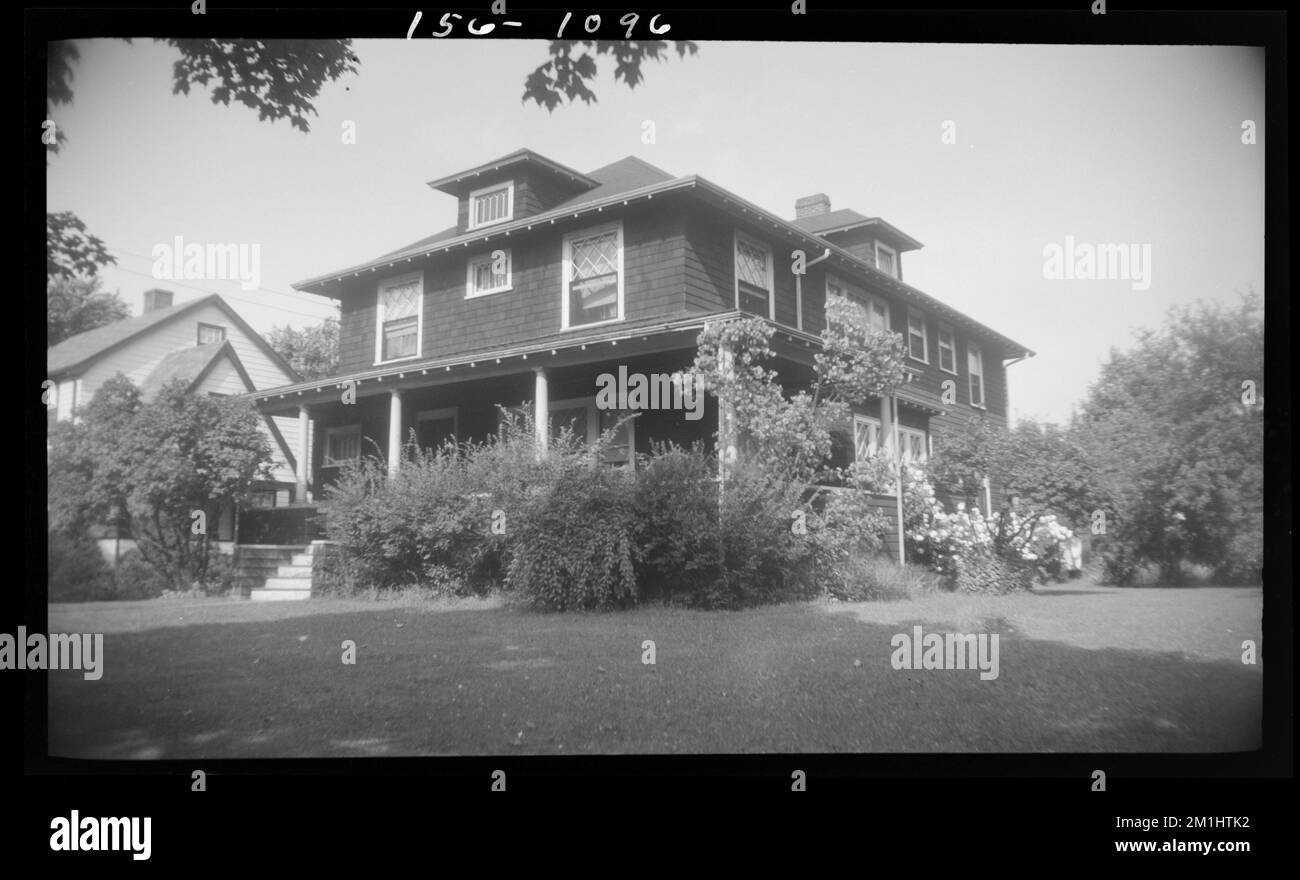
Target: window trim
{"type": "Point", "coordinates": [397, 281]}
{"type": "Point", "coordinates": [509, 187]}
{"type": "Point", "coordinates": [479, 259]}
{"type": "Point", "coordinates": [971, 374]}
{"type": "Point", "coordinates": [880, 430]}
{"type": "Point", "coordinates": [906, 430]}
{"type": "Point", "coordinates": [952, 334]}
{"type": "Point", "coordinates": [567, 272]}
{"type": "Point", "coordinates": [430, 415]}
{"type": "Point", "coordinates": [198, 333]}
{"type": "Point", "coordinates": [339, 431]}
{"type": "Point", "coordinates": [893, 252]}
{"type": "Point", "coordinates": [925, 336]}
{"type": "Point", "coordinates": [755, 243]}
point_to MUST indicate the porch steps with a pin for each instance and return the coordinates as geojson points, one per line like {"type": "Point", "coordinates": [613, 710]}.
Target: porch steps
{"type": "Point", "coordinates": [272, 572]}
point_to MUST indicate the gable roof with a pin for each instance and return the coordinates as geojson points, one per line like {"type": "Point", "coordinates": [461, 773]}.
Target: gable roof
{"type": "Point", "coordinates": [190, 364]}
{"type": "Point", "coordinates": [76, 353]}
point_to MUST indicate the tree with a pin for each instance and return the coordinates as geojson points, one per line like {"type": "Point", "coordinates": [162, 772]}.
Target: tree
{"type": "Point", "coordinates": [71, 251]}
{"type": "Point", "coordinates": [153, 467]}
{"type": "Point", "coordinates": [313, 352]}
{"type": "Point", "coordinates": [76, 305]}
{"type": "Point", "coordinates": [565, 76]}
{"type": "Point", "coordinates": [280, 79]}
{"type": "Point", "coordinates": [1180, 448]}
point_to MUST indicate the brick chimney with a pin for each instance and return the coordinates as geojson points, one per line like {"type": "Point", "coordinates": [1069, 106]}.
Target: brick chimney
{"type": "Point", "coordinates": [811, 206]}
{"type": "Point", "coordinates": [157, 299]}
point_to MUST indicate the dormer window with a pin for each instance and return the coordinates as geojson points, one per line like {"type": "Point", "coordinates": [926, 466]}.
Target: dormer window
{"type": "Point", "coordinates": [491, 205]}
{"type": "Point", "coordinates": [887, 259]}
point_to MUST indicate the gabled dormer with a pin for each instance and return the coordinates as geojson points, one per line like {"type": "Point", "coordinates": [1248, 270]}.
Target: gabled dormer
{"type": "Point", "coordinates": [867, 238]}
{"type": "Point", "coordinates": [512, 187]}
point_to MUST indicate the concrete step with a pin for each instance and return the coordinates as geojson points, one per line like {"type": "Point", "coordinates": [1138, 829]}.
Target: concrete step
{"type": "Point", "coordinates": [288, 583]}
{"type": "Point", "coordinates": [295, 570]}
{"type": "Point", "coordinates": [302, 559]}
{"type": "Point", "coordinates": [279, 595]}
{"type": "Point", "coordinates": [269, 551]}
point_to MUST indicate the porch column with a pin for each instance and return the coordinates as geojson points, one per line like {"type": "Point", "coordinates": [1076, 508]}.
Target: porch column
{"type": "Point", "coordinates": [889, 424]}
{"type": "Point", "coordinates": [727, 439]}
{"type": "Point", "coordinates": [988, 497]}
{"type": "Point", "coordinates": [303, 471]}
{"type": "Point", "coordinates": [541, 409]}
{"type": "Point", "coordinates": [394, 432]}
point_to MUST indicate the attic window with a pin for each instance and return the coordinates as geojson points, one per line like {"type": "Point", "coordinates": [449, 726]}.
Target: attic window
{"type": "Point", "coordinates": [209, 333]}
{"type": "Point", "coordinates": [493, 204]}
{"type": "Point", "coordinates": [886, 259]}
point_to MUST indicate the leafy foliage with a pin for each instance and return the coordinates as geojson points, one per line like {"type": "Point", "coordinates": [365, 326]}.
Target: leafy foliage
{"type": "Point", "coordinates": [1179, 453]}
{"type": "Point", "coordinates": [148, 466]}
{"type": "Point", "coordinates": [573, 64]}
{"type": "Point", "coordinates": [76, 305]}
{"type": "Point", "coordinates": [313, 352]}
{"type": "Point", "coordinates": [71, 250]}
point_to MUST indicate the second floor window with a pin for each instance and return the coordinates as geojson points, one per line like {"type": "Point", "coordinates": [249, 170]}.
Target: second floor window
{"type": "Point", "coordinates": [753, 277]}
{"type": "Point", "coordinates": [917, 344]}
{"type": "Point", "coordinates": [493, 204]}
{"type": "Point", "coordinates": [975, 359]}
{"type": "Point", "coordinates": [209, 333]}
{"type": "Point", "coordinates": [489, 273]}
{"type": "Point", "coordinates": [399, 318]}
{"type": "Point", "coordinates": [947, 351]}
{"type": "Point", "coordinates": [593, 277]}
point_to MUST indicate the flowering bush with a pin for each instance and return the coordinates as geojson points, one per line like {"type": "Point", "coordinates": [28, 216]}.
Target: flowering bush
{"type": "Point", "coordinates": [951, 542]}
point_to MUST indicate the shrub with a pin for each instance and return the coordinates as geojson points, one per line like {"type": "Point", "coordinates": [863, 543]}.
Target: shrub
{"type": "Point", "coordinates": [574, 546]}
{"type": "Point", "coordinates": [984, 572]}
{"type": "Point", "coordinates": [78, 572]}
{"type": "Point", "coordinates": [136, 579]}
{"type": "Point", "coordinates": [677, 525]}
{"type": "Point", "coordinates": [433, 525]}
{"type": "Point", "coordinates": [872, 577]}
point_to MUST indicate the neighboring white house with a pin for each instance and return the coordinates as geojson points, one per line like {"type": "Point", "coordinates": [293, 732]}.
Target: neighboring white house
{"type": "Point", "coordinates": [204, 341]}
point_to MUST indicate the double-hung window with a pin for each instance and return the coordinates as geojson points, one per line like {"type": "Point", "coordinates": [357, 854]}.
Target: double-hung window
{"type": "Point", "coordinates": [754, 277]}
{"type": "Point", "coordinates": [917, 341]}
{"type": "Point", "coordinates": [210, 333]}
{"type": "Point", "coordinates": [400, 301]}
{"type": "Point", "coordinates": [975, 363]}
{"type": "Point", "coordinates": [488, 273]}
{"type": "Point", "coordinates": [593, 277]}
{"type": "Point", "coordinates": [947, 350]}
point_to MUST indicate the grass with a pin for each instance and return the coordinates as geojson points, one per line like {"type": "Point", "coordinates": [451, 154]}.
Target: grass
{"type": "Point", "coordinates": [1082, 669]}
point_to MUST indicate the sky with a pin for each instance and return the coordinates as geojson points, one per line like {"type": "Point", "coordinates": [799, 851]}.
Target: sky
{"type": "Point", "coordinates": [1135, 145]}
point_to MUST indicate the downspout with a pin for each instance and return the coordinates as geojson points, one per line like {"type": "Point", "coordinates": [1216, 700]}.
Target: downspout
{"type": "Point", "coordinates": [798, 290]}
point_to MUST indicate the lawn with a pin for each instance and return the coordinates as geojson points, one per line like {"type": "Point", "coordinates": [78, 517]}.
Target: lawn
{"type": "Point", "coordinates": [1082, 668]}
